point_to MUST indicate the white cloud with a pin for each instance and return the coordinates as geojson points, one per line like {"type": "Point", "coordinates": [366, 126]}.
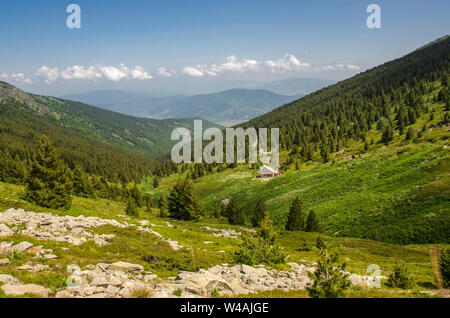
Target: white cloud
{"type": "Point", "coordinates": [112, 73]}
{"type": "Point", "coordinates": [20, 78]}
{"type": "Point", "coordinates": [140, 74]}
{"type": "Point", "coordinates": [163, 72]}
{"type": "Point", "coordinates": [79, 72]}
{"type": "Point", "coordinates": [233, 65]}
{"type": "Point", "coordinates": [353, 67]}
{"type": "Point", "coordinates": [288, 63]}
{"type": "Point", "coordinates": [17, 77]}
{"type": "Point", "coordinates": [340, 67]}
{"type": "Point", "coordinates": [93, 72]}
{"type": "Point", "coordinates": [193, 71]}
{"type": "Point", "coordinates": [48, 74]}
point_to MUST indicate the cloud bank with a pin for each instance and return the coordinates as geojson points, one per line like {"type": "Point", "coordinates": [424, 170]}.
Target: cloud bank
{"type": "Point", "coordinates": [287, 63]}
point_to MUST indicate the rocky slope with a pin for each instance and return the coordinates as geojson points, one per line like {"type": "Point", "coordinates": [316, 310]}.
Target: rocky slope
{"type": "Point", "coordinates": [124, 279]}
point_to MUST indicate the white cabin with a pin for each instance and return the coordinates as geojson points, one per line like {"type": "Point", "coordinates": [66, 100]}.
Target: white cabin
{"type": "Point", "coordinates": [268, 172]}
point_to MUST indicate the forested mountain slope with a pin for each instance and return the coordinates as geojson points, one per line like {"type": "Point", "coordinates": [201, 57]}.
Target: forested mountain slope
{"type": "Point", "coordinates": [141, 135]}
{"type": "Point", "coordinates": [330, 117]}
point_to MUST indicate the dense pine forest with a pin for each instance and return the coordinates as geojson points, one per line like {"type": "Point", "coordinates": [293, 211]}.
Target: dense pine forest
{"type": "Point", "coordinates": [389, 96]}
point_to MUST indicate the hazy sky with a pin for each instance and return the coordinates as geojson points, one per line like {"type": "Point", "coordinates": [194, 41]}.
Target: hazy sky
{"type": "Point", "coordinates": [147, 45]}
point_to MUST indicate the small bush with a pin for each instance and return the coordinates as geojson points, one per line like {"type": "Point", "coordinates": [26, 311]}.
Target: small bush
{"type": "Point", "coordinates": [260, 248]}
{"type": "Point", "coordinates": [400, 278]}
{"type": "Point", "coordinates": [14, 255]}
{"type": "Point", "coordinates": [328, 281]}
{"type": "Point", "coordinates": [445, 267]}
{"type": "Point", "coordinates": [178, 292]}
{"type": "Point", "coordinates": [304, 247]}
{"type": "Point", "coordinates": [320, 244]}
{"type": "Point", "coordinates": [183, 261]}
{"type": "Point", "coordinates": [141, 293]}
{"type": "Point", "coordinates": [215, 292]}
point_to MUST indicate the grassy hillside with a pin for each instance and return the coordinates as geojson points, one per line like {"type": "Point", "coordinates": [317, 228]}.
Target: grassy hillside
{"type": "Point", "coordinates": [135, 247]}
{"type": "Point", "coordinates": [398, 193]}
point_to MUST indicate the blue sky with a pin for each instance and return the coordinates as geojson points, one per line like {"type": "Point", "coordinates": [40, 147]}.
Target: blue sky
{"type": "Point", "coordinates": [135, 45]}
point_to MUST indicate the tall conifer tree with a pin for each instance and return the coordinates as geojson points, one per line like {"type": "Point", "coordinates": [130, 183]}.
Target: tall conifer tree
{"type": "Point", "coordinates": [49, 183]}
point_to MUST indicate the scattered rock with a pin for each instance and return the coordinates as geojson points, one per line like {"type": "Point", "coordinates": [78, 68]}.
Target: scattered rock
{"type": "Point", "coordinates": [174, 245]}
{"type": "Point", "coordinates": [4, 261]}
{"type": "Point", "coordinates": [5, 231]}
{"type": "Point", "coordinates": [73, 230]}
{"type": "Point", "coordinates": [21, 247]}
{"type": "Point", "coordinates": [229, 233]}
{"type": "Point", "coordinates": [125, 267]}
{"type": "Point", "coordinates": [5, 248]}
{"type": "Point", "coordinates": [46, 226]}
{"type": "Point", "coordinates": [34, 267]}
{"type": "Point", "coordinates": [50, 256]}
{"type": "Point", "coordinates": [19, 290]}
{"type": "Point", "coordinates": [36, 250]}
{"type": "Point", "coordinates": [9, 280]}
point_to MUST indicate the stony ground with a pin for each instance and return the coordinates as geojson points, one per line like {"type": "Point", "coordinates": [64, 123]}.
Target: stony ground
{"type": "Point", "coordinates": [124, 279]}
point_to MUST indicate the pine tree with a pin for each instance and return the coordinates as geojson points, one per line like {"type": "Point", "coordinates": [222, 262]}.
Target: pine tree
{"type": "Point", "coordinates": [184, 203]}
{"type": "Point", "coordinates": [131, 209]}
{"type": "Point", "coordinates": [388, 135]}
{"type": "Point", "coordinates": [90, 188]}
{"type": "Point", "coordinates": [320, 244]}
{"type": "Point", "coordinates": [137, 196]}
{"type": "Point", "coordinates": [163, 206]}
{"type": "Point", "coordinates": [259, 213]}
{"type": "Point", "coordinates": [366, 146]}
{"type": "Point", "coordinates": [312, 224]}
{"type": "Point", "coordinates": [155, 182]}
{"type": "Point", "coordinates": [409, 134]}
{"type": "Point", "coordinates": [217, 213]}
{"type": "Point", "coordinates": [260, 248]}
{"type": "Point", "coordinates": [79, 182]}
{"type": "Point", "coordinates": [234, 213]}
{"type": "Point", "coordinates": [328, 280]}
{"type": "Point", "coordinates": [49, 183]}
{"type": "Point", "coordinates": [296, 221]}
{"type": "Point", "coordinates": [149, 202]}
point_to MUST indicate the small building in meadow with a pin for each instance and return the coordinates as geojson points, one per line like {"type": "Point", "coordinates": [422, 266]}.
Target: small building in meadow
{"type": "Point", "coordinates": [268, 172]}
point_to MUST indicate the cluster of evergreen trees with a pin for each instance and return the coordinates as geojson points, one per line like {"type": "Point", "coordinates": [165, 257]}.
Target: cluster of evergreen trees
{"type": "Point", "coordinates": [183, 203]}
{"type": "Point", "coordinates": [51, 183]}
{"type": "Point", "coordinates": [296, 220]}
{"type": "Point", "coordinates": [233, 213]}
{"type": "Point", "coordinates": [389, 97]}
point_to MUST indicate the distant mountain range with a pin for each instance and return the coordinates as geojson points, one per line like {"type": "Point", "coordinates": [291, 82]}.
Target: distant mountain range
{"type": "Point", "coordinates": [227, 107]}
{"type": "Point", "coordinates": [59, 118]}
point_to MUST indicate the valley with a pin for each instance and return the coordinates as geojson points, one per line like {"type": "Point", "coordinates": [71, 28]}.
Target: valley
{"type": "Point", "coordinates": [364, 182]}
